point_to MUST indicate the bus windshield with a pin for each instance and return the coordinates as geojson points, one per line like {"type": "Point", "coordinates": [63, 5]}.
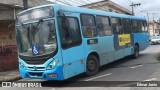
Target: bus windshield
{"type": "Point", "coordinates": [37, 38]}
{"type": "Point", "coordinates": [36, 14]}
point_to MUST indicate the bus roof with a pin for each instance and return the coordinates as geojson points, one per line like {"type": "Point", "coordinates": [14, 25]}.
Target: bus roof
{"type": "Point", "coordinates": [87, 11]}
{"type": "Point", "coordinates": [96, 12]}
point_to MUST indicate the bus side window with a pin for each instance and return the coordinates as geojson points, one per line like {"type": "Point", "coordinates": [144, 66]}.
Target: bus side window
{"type": "Point", "coordinates": [140, 24]}
{"type": "Point", "coordinates": [135, 26]}
{"type": "Point", "coordinates": [88, 26]}
{"type": "Point", "coordinates": [126, 26]}
{"type": "Point", "coordinates": [103, 26]}
{"type": "Point", "coordinates": [69, 32]}
{"type": "Point", "coordinates": [117, 25]}
{"type": "Point", "coordinates": [145, 26]}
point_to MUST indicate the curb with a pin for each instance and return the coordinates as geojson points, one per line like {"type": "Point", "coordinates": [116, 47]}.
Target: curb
{"type": "Point", "coordinates": [12, 79]}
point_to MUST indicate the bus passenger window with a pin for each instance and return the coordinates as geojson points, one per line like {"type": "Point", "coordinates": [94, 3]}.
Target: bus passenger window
{"type": "Point", "coordinates": [69, 32]}
{"type": "Point", "coordinates": [117, 25]}
{"type": "Point", "coordinates": [103, 26]}
{"type": "Point", "coordinates": [135, 26]}
{"type": "Point", "coordinates": [88, 26]}
{"type": "Point", "coordinates": [145, 26]}
{"type": "Point", "coordinates": [140, 24]}
{"type": "Point", "coordinates": [127, 26]}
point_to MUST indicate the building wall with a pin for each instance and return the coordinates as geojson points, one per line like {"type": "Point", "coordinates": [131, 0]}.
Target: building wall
{"type": "Point", "coordinates": [10, 5]}
{"type": "Point", "coordinates": [107, 5]}
{"type": "Point", "coordinates": [8, 10]}
{"type": "Point", "coordinates": [9, 14]}
{"type": "Point", "coordinates": [19, 3]}
{"type": "Point", "coordinates": [155, 31]}
{"type": "Point", "coordinates": [8, 52]}
{"type": "Point", "coordinates": [103, 7]}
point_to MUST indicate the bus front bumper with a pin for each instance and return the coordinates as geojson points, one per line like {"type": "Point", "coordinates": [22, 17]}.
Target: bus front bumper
{"type": "Point", "coordinates": [55, 74]}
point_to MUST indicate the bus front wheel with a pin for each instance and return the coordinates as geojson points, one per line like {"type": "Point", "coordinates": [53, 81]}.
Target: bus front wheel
{"type": "Point", "coordinates": [136, 52]}
{"type": "Point", "coordinates": [92, 65]}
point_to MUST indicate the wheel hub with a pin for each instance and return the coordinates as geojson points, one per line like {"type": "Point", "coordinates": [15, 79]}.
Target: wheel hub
{"type": "Point", "coordinates": [91, 65]}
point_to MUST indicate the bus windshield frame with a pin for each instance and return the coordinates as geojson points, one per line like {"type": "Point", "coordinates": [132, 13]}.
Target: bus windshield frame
{"type": "Point", "coordinates": [36, 14]}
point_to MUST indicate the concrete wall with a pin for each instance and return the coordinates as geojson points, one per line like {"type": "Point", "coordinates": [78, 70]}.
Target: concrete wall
{"type": "Point", "coordinates": [8, 51]}
{"type": "Point", "coordinates": [9, 14]}
{"type": "Point", "coordinates": [155, 31]}
{"type": "Point", "coordinates": [107, 5]}
{"type": "Point", "coordinates": [17, 5]}
{"type": "Point", "coordinates": [31, 3]}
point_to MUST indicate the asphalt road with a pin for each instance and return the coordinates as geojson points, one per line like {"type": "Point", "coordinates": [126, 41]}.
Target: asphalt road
{"type": "Point", "coordinates": [145, 68]}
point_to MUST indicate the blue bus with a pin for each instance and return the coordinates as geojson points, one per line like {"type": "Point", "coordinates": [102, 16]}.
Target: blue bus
{"type": "Point", "coordinates": [56, 42]}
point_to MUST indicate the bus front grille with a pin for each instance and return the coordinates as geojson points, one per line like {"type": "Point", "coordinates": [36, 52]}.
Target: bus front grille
{"type": "Point", "coordinates": [37, 68]}
{"type": "Point", "coordinates": [35, 62]}
{"type": "Point", "coordinates": [35, 74]}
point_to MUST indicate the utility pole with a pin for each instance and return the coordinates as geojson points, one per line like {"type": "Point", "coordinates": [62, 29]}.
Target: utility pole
{"type": "Point", "coordinates": [133, 5]}
{"type": "Point", "coordinates": [148, 16]}
{"type": "Point", "coordinates": [153, 24]}
{"type": "Point", "coordinates": [148, 22]}
{"type": "Point", "coordinates": [25, 4]}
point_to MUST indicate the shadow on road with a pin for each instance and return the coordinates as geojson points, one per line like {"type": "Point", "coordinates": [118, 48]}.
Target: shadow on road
{"type": "Point", "coordinates": [77, 80]}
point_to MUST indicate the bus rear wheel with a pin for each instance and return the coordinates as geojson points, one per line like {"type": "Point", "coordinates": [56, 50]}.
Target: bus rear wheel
{"type": "Point", "coordinates": [136, 52]}
{"type": "Point", "coordinates": [92, 65]}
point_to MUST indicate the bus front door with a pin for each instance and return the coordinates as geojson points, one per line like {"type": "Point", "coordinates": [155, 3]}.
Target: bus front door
{"type": "Point", "coordinates": [72, 46]}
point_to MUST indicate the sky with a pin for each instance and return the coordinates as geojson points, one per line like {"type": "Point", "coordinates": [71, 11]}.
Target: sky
{"type": "Point", "coordinates": [147, 6]}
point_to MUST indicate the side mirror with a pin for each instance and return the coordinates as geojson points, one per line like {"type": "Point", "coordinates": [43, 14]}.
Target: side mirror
{"type": "Point", "coordinates": [61, 14]}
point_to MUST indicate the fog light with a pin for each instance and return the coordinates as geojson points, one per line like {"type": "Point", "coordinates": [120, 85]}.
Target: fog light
{"type": "Point", "coordinates": [52, 75]}
{"type": "Point", "coordinates": [22, 65]}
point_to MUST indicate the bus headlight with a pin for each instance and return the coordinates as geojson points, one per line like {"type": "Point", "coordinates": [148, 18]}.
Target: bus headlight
{"type": "Point", "coordinates": [53, 64]}
{"type": "Point", "coordinates": [22, 65]}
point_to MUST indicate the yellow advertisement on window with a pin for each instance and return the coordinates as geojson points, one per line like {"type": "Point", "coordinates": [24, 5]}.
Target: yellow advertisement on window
{"type": "Point", "coordinates": [124, 39]}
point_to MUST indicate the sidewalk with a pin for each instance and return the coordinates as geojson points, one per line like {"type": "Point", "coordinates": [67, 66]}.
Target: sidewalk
{"type": "Point", "coordinates": [11, 75]}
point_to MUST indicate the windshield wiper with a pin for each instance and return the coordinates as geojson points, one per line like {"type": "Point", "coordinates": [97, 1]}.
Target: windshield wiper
{"type": "Point", "coordinates": [23, 25]}
{"type": "Point", "coordinates": [40, 21]}
{"type": "Point", "coordinates": [28, 32]}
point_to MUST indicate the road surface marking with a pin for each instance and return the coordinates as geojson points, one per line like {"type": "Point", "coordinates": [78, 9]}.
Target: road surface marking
{"type": "Point", "coordinates": [99, 77]}
{"type": "Point", "coordinates": [52, 89]}
{"type": "Point", "coordinates": [153, 79]}
{"type": "Point", "coordinates": [28, 79]}
{"type": "Point", "coordinates": [136, 66]}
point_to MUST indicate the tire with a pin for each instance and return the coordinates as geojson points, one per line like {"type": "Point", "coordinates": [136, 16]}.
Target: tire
{"type": "Point", "coordinates": [92, 65]}
{"type": "Point", "coordinates": [136, 52]}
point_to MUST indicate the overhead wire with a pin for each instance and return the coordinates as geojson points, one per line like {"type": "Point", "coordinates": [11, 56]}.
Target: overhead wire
{"type": "Point", "coordinates": [79, 2]}
{"type": "Point", "coordinates": [68, 3]}
{"type": "Point", "coordinates": [90, 2]}
{"type": "Point", "coordinates": [127, 2]}
{"type": "Point", "coordinates": [63, 2]}
{"type": "Point", "coordinates": [84, 1]}
{"type": "Point", "coordinates": [140, 8]}
{"type": "Point", "coordinates": [75, 2]}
